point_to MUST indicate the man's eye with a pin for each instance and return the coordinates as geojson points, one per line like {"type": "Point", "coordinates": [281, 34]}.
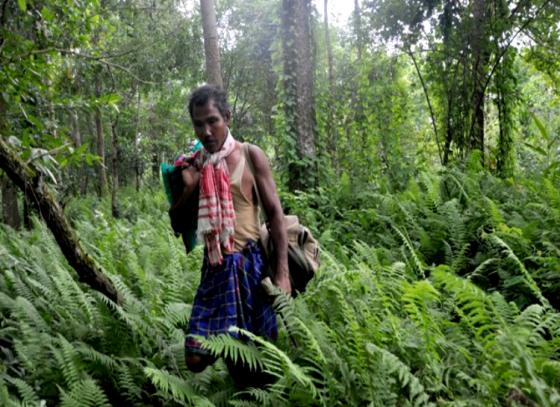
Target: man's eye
{"type": "Point", "coordinates": [197, 124]}
{"type": "Point", "coordinates": [212, 120]}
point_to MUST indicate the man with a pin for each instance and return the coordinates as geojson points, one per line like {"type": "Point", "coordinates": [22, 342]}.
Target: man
{"type": "Point", "coordinates": [230, 293]}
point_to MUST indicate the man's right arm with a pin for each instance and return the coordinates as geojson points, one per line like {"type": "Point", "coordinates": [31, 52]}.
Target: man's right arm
{"type": "Point", "coordinates": [191, 177]}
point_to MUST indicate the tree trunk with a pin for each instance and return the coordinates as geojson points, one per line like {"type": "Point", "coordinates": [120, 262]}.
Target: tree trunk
{"type": "Point", "coordinates": [37, 193]}
{"type": "Point", "coordinates": [137, 141]}
{"type": "Point", "coordinates": [480, 62]}
{"type": "Point", "coordinates": [27, 215]}
{"type": "Point", "coordinates": [298, 85]}
{"type": "Point", "coordinates": [155, 165]}
{"type": "Point", "coordinates": [358, 28]}
{"type": "Point", "coordinates": [114, 168]}
{"type": "Point", "coordinates": [75, 128]}
{"type": "Point", "coordinates": [428, 101]}
{"type": "Point", "coordinates": [211, 49]}
{"type": "Point", "coordinates": [331, 126]}
{"type": "Point", "coordinates": [102, 186]}
{"type": "Point", "coordinates": [10, 207]}
{"type": "Point", "coordinates": [505, 85]}
{"type": "Point", "coordinates": [98, 118]}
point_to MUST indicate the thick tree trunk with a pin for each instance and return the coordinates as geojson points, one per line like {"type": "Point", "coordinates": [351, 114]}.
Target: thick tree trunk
{"type": "Point", "coordinates": [10, 208]}
{"type": "Point", "coordinates": [211, 49]}
{"type": "Point", "coordinates": [505, 85]}
{"type": "Point", "coordinates": [298, 85]}
{"type": "Point", "coordinates": [38, 194]}
{"type": "Point", "coordinates": [480, 61]}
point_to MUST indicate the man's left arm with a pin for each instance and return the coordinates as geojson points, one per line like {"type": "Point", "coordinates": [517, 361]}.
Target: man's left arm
{"type": "Point", "coordinates": [275, 215]}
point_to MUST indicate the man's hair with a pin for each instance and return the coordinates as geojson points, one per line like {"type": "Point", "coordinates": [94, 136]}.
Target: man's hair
{"type": "Point", "coordinates": [206, 93]}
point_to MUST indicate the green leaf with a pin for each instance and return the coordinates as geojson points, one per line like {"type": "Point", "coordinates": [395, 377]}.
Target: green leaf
{"type": "Point", "coordinates": [22, 5]}
{"type": "Point", "coordinates": [536, 149]}
{"type": "Point", "coordinates": [47, 14]}
{"type": "Point", "coordinates": [540, 126]}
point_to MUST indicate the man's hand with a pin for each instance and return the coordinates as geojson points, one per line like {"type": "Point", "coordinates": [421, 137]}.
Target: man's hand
{"type": "Point", "coordinates": [282, 281]}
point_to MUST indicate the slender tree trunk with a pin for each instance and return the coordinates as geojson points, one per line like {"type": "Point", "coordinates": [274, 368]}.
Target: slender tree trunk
{"type": "Point", "coordinates": [37, 193]}
{"type": "Point", "coordinates": [78, 184]}
{"type": "Point", "coordinates": [298, 85]}
{"type": "Point", "coordinates": [358, 29]}
{"type": "Point", "coordinates": [102, 173]}
{"type": "Point", "coordinates": [98, 118]}
{"type": "Point", "coordinates": [27, 215]}
{"type": "Point", "coordinates": [115, 168]}
{"type": "Point", "coordinates": [137, 141]}
{"type": "Point", "coordinates": [331, 126]}
{"type": "Point", "coordinates": [428, 101]}
{"type": "Point", "coordinates": [211, 49]}
{"type": "Point", "coordinates": [75, 128]}
{"type": "Point", "coordinates": [155, 165]}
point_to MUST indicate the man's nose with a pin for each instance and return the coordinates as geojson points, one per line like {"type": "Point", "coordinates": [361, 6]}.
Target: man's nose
{"type": "Point", "coordinates": [206, 129]}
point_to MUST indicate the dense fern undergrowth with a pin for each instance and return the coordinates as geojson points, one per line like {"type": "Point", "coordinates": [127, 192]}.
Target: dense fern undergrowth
{"type": "Point", "coordinates": [445, 293]}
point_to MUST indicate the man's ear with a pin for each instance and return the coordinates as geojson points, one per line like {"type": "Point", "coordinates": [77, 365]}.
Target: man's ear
{"type": "Point", "coordinates": [227, 117]}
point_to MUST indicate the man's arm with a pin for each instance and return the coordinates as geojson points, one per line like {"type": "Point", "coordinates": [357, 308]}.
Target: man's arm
{"type": "Point", "coordinates": [275, 215]}
{"type": "Point", "coordinates": [190, 176]}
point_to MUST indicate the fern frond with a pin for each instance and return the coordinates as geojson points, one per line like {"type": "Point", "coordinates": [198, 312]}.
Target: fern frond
{"type": "Point", "coordinates": [278, 363]}
{"type": "Point", "coordinates": [26, 392]}
{"type": "Point", "coordinates": [416, 391]}
{"type": "Point", "coordinates": [472, 304]}
{"type": "Point", "coordinates": [179, 389]}
{"type": "Point", "coordinates": [412, 251]}
{"type": "Point", "coordinates": [506, 251]}
{"type": "Point", "coordinates": [66, 357]}
{"type": "Point", "coordinates": [85, 393]}
{"type": "Point", "coordinates": [227, 346]}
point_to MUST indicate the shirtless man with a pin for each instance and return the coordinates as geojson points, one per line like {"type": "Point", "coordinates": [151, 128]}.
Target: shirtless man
{"type": "Point", "coordinates": [230, 293]}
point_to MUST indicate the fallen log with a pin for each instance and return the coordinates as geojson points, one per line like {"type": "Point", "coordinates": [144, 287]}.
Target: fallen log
{"type": "Point", "coordinates": [38, 194]}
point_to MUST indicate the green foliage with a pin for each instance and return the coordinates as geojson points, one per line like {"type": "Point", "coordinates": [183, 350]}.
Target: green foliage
{"type": "Point", "coordinates": [478, 326]}
{"type": "Point", "coordinates": [437, 287]}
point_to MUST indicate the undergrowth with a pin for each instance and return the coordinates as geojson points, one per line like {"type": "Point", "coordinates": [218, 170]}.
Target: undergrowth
{"type": "Point", "coordinates": [442, 294]}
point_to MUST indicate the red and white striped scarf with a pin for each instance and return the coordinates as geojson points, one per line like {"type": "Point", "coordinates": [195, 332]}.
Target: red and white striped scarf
{"type": "Point", "coordinates": [216, 215]}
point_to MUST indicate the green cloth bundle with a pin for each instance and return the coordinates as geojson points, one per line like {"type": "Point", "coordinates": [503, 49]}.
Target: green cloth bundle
{"type": "Point", "coordinates": [183, 221]}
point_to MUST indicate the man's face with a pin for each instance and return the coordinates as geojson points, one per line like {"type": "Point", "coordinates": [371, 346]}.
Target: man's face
{"type": "Point", "coordinates": [210, 126]}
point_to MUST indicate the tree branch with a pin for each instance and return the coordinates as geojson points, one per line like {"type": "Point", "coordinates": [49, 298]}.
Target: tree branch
{"type": "Point", "coordinates": [100, 59]}
{"type": "Point", "coordinates": [426, 94]}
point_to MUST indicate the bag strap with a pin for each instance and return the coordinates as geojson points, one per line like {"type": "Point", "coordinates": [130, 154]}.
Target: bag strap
{"type": "Point", "coordinates": [249, 161]}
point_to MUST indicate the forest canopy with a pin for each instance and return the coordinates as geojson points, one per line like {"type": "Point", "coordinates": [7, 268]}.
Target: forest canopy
{"type": "Point", "coordinates": [419, 140]}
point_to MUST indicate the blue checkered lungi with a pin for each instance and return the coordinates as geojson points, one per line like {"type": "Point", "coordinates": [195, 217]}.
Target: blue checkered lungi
{"type": "Point", "coordinates": [230, 294]}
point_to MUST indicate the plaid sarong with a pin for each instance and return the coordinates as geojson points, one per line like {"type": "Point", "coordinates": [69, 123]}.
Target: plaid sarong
{"type": "Point", "coordinates": [230, 294]}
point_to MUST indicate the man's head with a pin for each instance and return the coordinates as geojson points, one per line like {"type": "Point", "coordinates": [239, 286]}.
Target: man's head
{"type": "Point", "coordinates": [211, 115]}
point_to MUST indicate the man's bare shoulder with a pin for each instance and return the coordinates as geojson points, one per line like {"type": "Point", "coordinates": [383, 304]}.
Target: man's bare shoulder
{"type": "Point", "coordinates": [258, 158]}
